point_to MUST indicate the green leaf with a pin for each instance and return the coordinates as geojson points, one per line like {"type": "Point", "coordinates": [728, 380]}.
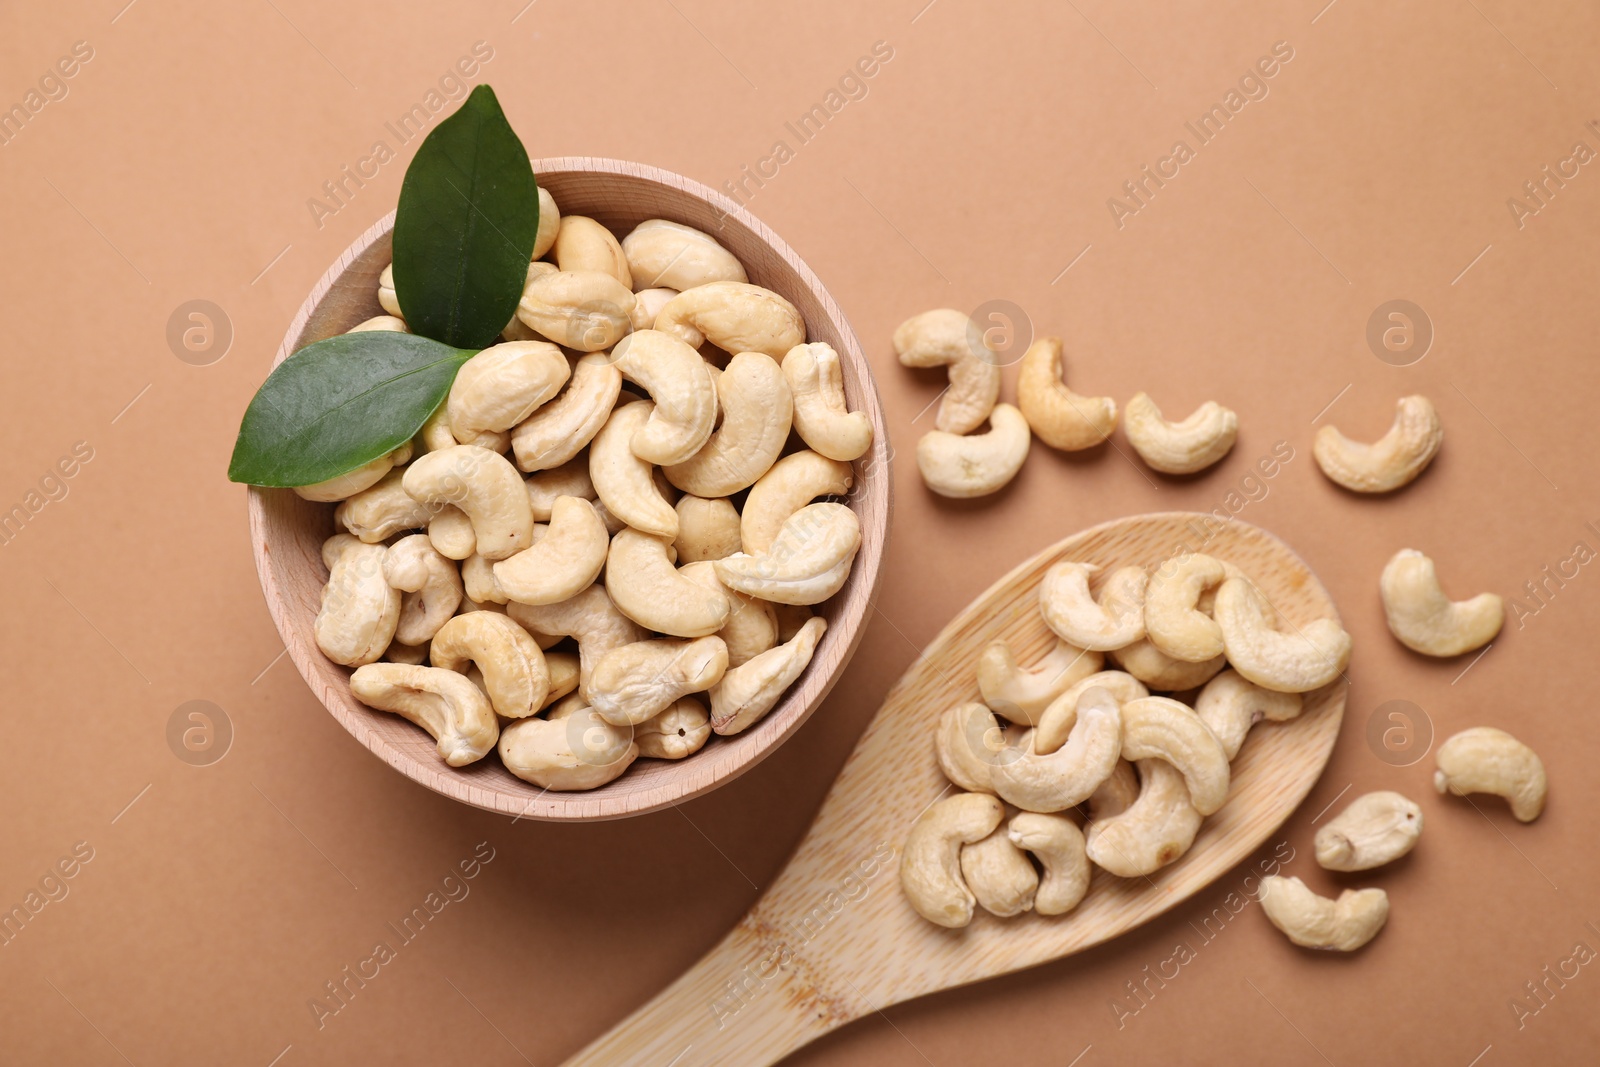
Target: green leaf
{"type": "Point", "coordinates": [464, 230]}
{"type": "Point", "coordinates": [339, 403]}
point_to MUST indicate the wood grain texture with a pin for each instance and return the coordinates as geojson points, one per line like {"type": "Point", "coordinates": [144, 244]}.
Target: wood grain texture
{"type": "Point", "coordinates": [287, 532]}
{"type": "Point", "coordinates": [833, 939]}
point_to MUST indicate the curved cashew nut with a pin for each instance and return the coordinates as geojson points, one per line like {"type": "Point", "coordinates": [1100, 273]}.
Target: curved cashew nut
{"type": "Point", "coordinates": [583, 244]}
{"type": "Point", "coordinates": [707, 529]}
{"type": "Point", "coordinates": [679, 382]}
{"type": "Point", "coordinates": [348, 484]}
{"type": "Point", "coordinates": [486, 487]}
{"type": "Point", "coordinates": [477, 576]}
{"type": "Point", "coordinates": [930, 865]}
{"type": "Point", "coordinates": [514, 671]}
{"type": "Point", "coordinates": [734, 316]}
{"type": "Point", "coordinates": [647, 304]}
{"type": "Point", "coordinates": [1061, 714]}
{"type": "Point", "coordinates": [1313, 921]}
{"type": "Point", "coordinates": [1118, 793]}
{"type": "Point", "coordinates": [568, 557]}
{"type": "Point", "coordinates": [1486, 760]}
{"type": "Point", "coordinates": [451, 533]}
{"type": "Point", "coordinates": [1182, 447]}
{"type": "Point", "coordinates": [563, 670]}
{"type": "Point", "coordinates": [1391, 461]}
{"type": "Point", "coordinates": [663, 253]}
{"type": "Point", "coordinates": [1156, 829]}
{"type": "Point", "coordinates": [968, 743]}
{"type": "Point", "coordinates": [1172, 618]}
{"type": "Point", "coordinates": [975, 464]}
{"type": "Point", "coordinates": [430, 584]}
{"type": "Point", "coordinates": [945, 337]}
{"type": "Point", "coordinates": [590, 618]}
{"type": "Point", "coordinates": [547, 486]}
{"type": "Point", "coordinates": [1164, 729]}
{"type": "Point", "coordinates": [559, 430]}
{"type": "Point", "coordinates": [1427, 621]}
{"type": "Point", "coordinates": [1230, 704]}
{"type": "Point", "coordinates": [386, 295]}
{"type": "Point", "coordinates": [1068, 776]}
{"type": "Point", "coordinates": [1311, 656]}
{"type": "Point", "coordinates": [549, 224]}
{"type": "Point", "coordinates": [1114, 621]}
{"type": "Point", "coordinates": [1062, 419]}
{"type": "Point", "coordinates": [807, 563]}
{"type": "Point", "coordinates": [400, 652]}
{"type": "Point", "coordinates": [625, 483]}
{"type": "Point", "coordinates": [1372, 830]}
{"type": "Point", "coordinates": [750, 690]}
{"type": "Point", "coordinates": [444, 703]}
{"type": "Point", "coordinates": [1156, 669]}
{"type": "Point", "coordinates": [502, 385]}
{"type": "Point", "coordinates": [360, 610]}
{"type": "Point", "coordinates": [382, 510]}
{"type": "Point", "coordinates": [681, 730]}
{"type": "Point", "coordinates": [825, 424]}
{"type": "Point", "coordinates": [999, 874]}
{"type": "Point", "coordinates": [1022, 693]}
{"type": "Point", "coordinates": [587, 310]}
{"type": "Point", "coordinates": [580, 750]}
{"type": "Point", "coordinates": [752, 625]}
{"type": "Point", "coordinates": [435, 435]}
{"type": "Point", "coordinates": [756, 415]}
{"type": "Point", "coordinates": [792, 483]}
{"type": "Point", "coordinates": [637, 682]}
{"type": "Point", "coordinates": [648, 589]}
{"type": "Point", "coordinates": [1059, 846]}
{"type": "Point", "coordinates": [382, 323]}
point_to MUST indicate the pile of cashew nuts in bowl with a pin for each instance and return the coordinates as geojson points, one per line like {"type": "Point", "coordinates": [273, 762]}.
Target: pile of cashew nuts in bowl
{"type": "Point", "coordinates": [559, 567]}
{"type": "Point", "coordinates": [1066, 765]}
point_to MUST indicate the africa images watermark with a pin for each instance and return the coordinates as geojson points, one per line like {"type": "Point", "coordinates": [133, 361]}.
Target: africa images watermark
{"type": "Point", "coordinates": [51, 88]}
{"type": "Point", "coordinates": [53, 488]}
{"type": "Point", "coordinates": [1539, 591]}
{"type": "Point", "coordinates": [1538, 191]}
{"type": "Point", "coordinates": [1540, 992]}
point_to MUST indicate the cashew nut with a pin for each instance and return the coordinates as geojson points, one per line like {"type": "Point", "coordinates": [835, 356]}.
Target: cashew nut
{"type": "Point", "coordinates": [547, 486]}
{"type": "Point", "coordinates": [580, 750]}
{"type": "Point", "coordinates": [678, 256]}
{"type": "Point", "coordinates": [1172, 619]}
{"type": "Point", "coordinates": [1427, 621]}
{"type": "Point", "coordinates": [647, 304]}
{"type": "Point", "coordinates": [559, 430]}
{"type": "Point", "coordinates": [1115, 620]}
{"type": "Point", "coordinates": [382, 510]}
{"type": "Point", "coordinates": [626, 483]}
{"type": "Point", "coordinates": [348, 484]}
{"type": "Point", "coordinates": [590, 617]}
{"type": "Point", "coordinates": [1229, 705]}
{"type": "Point", "coordinates": [1183, 447]}
{"type": "Point", "coordinates": [1117, 793]}
{"type": "Point", "coordinates": [734, 316]}
{"type": "Point", "coordinates": [707, 529]}
{"type": "Point", "coordinates": [1313, 921]}
{"type": "Point", "coordinates": [792, 483]}
{"type": "Point", "coordinates": [1486, 760]}
{"type": "Point", "coordinates": [451, 533]}
{"type": "Point", "coordinates": [1372, 830]}
{"type": "Point", "coordinates": [1156, 669]}
{"type": "Point", "coordinates": [435, 435]}
{"type": "Point", "coordinates": [756, 415]}
{"type": "Point", "coordinates": [567, 558]}
{"type": "Point", "coordinates": [1311, 656]}
{"type": "Point", "coordinates": [502, 385]}
{"type": "Point", "coordinates": [1165, 729]}
{"type": "Point", "coordinates": [587, 310]}
{"type": "Point", "coordinates": [477, 577]}
{"type": "Point", "coordinates": [563, 670]}
{"type": "Point", "coordinates": [752, 625]}
{"type": "Point", "coordinates": [386, 296]}
{"type": "Point", "coordinates": [444, 703]}
{"type": "Point", "coordinates": [1061, 714]}
{"type": "Point", "coordinates": [1022, 693]}
{"type": "Point", "coordinates": [514, 671]}
{"type": "Point", "coordinates": [1156, 829]}
{"type": "Point", "coordinates": [968, 743]}
{"type": "Point", "coordinates": [976, 464]}
{"type": "Point", "coordinates": [636, 682]}
{"type": "Point", "coordinates": [486, 487]}
{"type": "Point", "coordinates": [1062, 419]}
{"type": "Point", "coordinates": [790, 618]}
{"type": "Point", "coordinates": [681, 730]}
{"type": "Point", "coordinates": [359, 609]}
{"type": "Point", "coordinates": [945, 337]}
{"type": "Point", "coordinates": [825, 424]}
{"type": "Point", "coordinates": [430, 584]}
{"type": "Point", "coordinates": [930, 865]}
{"type": "Point", "coordinates": [1059, 846]}
{"type": "Point", "coordinates": [1066, 777]}
{"type": "Point", "coordinates": [647, 588]}
{"type": "Point", "coordinates": [750, 690]}
{"type": "Point", "coordinates": [679, 382]}
{"type": "Point", "coordinates": [583, 244]}
{"type": "Point", "coordinates": [400, 652]}
{"type": "Point", "coordinates": [807, 562]}
{"type": "Point", "coordinates": [382, 323]}
{"type": "Point", "coordinates": [999, 874]}
{"type": "Point", "coordinates": [1391, 461]}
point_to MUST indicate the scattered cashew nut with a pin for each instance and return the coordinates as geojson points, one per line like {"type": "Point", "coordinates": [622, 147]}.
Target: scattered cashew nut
{"type": "Point", "coordinates": [1427, 621]}
{"type": "Point", "coordinates": [1183, 447]}
{"type": "Point", "coordinates": [1061, 418]}
{"type": "Point", "coordinates": [975, 464]}
{"type": "Point", "coordinates": [945, 337]}
{"type": "Point", "coordinates": [1486, 760]}
{"type": "Point", "coordinates": [1391, 461]}
{"type": "Point", "coordinates": [1372, 830]}
{"type": "Point", "coordinates": [1313, 921]}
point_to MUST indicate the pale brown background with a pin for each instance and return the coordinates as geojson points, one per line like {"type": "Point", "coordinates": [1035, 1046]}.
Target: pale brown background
{"type": "Point", "coordinates": [977, 168]}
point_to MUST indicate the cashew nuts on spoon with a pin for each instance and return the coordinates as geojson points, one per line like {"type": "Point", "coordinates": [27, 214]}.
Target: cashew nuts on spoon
{"type": "Point", "coordinates": [1114, 621]}
{"type": "Point", "coordinates": [1022, 693]}
{"type": "Point", "coordinates": [930, 864]}
{"type": "Point", "coordinates": [1066, 777]}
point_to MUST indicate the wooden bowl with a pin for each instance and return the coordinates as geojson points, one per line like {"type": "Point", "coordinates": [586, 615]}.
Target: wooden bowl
{"type": "Point", "coordinates": [287, 532]}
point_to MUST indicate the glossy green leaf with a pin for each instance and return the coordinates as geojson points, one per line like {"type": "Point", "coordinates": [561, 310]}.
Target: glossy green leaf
{"type": "Point", "coordinates": [465, 226]}
{"type": "Point", "coordinates": [339, 403]}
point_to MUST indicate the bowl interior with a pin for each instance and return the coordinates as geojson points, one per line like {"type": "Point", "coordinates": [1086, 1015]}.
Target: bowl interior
{"type": "Point", "coordinates": [287, 532]}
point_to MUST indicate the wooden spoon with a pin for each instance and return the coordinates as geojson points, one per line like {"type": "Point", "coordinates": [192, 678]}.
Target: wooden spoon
{"type": "Point", "coordinates": [833, 939]}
